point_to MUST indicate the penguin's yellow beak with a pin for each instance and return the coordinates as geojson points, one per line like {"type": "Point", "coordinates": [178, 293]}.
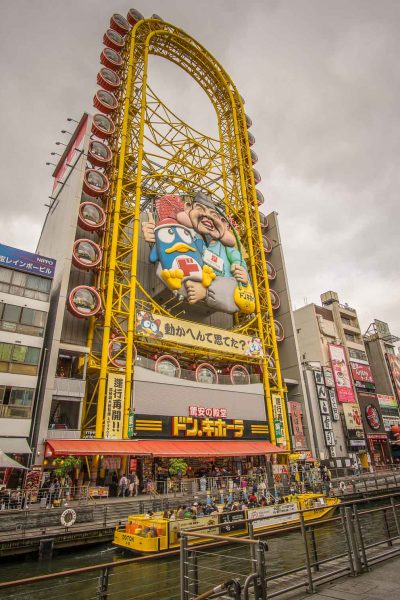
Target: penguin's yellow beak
{"type": "Point", "coordinates": [180, 247]}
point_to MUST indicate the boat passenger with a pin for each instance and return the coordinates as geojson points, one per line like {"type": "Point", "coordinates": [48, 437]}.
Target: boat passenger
{"type": "Point", "coordinates": [171, 515]}
{"type": "Point", "coordinates": [149, 514]}
{"type": "Point", "coordinates": [165, 514]}
{"type": "Point", "coordinates": [180, 512]}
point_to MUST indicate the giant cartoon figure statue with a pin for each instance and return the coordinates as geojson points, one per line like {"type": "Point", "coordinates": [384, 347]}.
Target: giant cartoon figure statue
{"type": "Point", "coordinates": [198, 253]}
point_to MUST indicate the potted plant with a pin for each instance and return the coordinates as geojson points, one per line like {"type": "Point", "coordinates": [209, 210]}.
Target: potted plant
{"type": "Point", "coordinates": [177, 469]}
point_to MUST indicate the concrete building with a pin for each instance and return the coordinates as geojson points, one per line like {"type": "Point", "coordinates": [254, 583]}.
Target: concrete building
{"type": "Point", "coordinates": [380, 345]}
{"type": "Point", "coordinates": [25, 285]}
{"type": "Point", "coordinates": [164, 390]}
{"type": "Point", "coordinates": [288, 345]}
{"type": "Point", "coordinates": [337, 368]}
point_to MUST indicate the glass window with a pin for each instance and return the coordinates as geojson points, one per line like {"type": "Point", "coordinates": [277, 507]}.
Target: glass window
{"type": "Point", "coordinates": [5, 275]}
{"type": "Point", "coordinates": [37, 318]}
{"type": "Point", "coordinates": [19, 279]}
{"type": "Point", "coordinates": [12, 313]}
{"type": "Point", "coordinates": [21, 396]}
{"type": "Point", "coordinates": [19, 353]}
{"type": "Point", "coordinates": [32, 356]}
{"type": "Point", "coordinates": [5, 351]}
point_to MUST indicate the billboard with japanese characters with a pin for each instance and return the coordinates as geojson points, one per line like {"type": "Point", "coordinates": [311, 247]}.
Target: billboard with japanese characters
{"type": "Point", "coordinates": [113, 419]}
{"type": "Point", "coordinates": [188, 333]}
{"type": "Point", "coordinates": [27, 262]}
{"type": "Point", "coordinates": [197, 253]}
{"type": "Point", "coordinates": [354, 426]}
{"type": "Point", "coordinates": [200, 427]}
{"type": "Point", "coordinates": [344, 388]}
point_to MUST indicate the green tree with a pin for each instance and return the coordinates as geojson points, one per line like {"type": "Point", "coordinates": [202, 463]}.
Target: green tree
{"type": "Point", "coordinates": [64, 466]}
{"type": "Point", "coordinates": [176, 466]}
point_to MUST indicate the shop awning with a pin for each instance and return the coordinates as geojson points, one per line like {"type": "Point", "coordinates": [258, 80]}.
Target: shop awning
{"type": "Point", "coordinates": [8, 463]}
{"type": "Point", "coordinates": [14, 445]}
{"type": "Point", "coordinates": [166, 448]}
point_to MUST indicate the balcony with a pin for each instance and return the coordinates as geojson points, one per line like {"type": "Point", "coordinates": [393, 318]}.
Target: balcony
{"type": "Point", "coordinates": [63, 386]}
{"type": "Point", "coordinates": [351, 328]}
{"type": "Point", "coordinates": [63, 434]}
{"type": "Point", "coordinates": [346, 309]}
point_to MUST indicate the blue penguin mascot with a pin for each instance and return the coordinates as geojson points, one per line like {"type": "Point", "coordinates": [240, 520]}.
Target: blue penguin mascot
{"type": "Point", "coordinates": [179, 257]}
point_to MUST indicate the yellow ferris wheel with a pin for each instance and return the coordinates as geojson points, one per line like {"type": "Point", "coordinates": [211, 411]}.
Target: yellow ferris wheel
{"type": "Point", "coordinates": [156, 155]}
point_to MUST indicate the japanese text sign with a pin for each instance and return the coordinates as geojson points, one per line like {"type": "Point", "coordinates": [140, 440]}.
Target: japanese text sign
{"type": "Point", "coordinates": [189, 333]}
{"type": "Point", "coordinates": [361, 372]}
{"type": "Point", "coordinates": [114, 417]}
{"type": "Point", "coordinates": [278, 419]}
{"type": "Point", "coordinates": [209, 428]}
{"type": "Point", "coordinates": [27, 262]}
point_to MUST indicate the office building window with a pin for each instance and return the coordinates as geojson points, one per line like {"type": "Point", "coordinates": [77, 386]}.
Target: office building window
{"type": "Point", "coordinates": [22, 319]}
{"type": "Point", "coordinates": [357, 354]}
{"type": "Point", "coordinates": [16, 402]}
{"type": "Point", "coordinates": [23, 284]}
{"type": "Point", "coordinates": [15, 358]}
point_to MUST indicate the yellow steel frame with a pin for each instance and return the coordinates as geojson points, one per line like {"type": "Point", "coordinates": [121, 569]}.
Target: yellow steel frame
{"type": "Point", "coordinates": [157, 153]}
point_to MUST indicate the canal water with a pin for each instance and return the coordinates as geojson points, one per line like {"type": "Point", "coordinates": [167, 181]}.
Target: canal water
{"type": "Point", "coordinates": [159, 578]}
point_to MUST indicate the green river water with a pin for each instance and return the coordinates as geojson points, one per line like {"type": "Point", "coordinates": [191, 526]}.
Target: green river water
{"type": "Point", "coordinates": [159, 578]}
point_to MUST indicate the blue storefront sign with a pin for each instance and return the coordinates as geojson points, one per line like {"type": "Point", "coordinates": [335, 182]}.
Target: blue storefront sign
{"type": "Point", "coordinates": [21, 260]}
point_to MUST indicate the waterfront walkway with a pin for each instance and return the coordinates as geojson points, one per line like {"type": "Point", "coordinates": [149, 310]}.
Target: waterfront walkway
{"type": "Point", "coordinates": [381, 582]}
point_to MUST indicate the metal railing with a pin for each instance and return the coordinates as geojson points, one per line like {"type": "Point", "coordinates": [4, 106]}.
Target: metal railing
{"type": "Point", "coordinates": [349, 542]}
{"type": "Point", "coordinates": [221, 488]}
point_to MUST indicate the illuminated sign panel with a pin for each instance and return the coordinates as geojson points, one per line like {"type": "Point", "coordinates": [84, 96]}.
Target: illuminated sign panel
{"type": "Point", "coordinates": [206, 428]}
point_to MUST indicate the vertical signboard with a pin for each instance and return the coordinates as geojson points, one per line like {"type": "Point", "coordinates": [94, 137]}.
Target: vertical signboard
{"type": "Point", "coordinates": [299, 440]}
{"type": "Point", "coordinates": [354, 426]}
{"type": "Point", "coordinates": [322, 394]}
{"type": "Point", "coordinates": [328, 376]}
{"type": "Point", "coordinates": [278, 419]}
{"type": "Point", "coordinates": [72, 151]}
{"type": "Point", "coordinates": [394, 366]}
{"type": "Point", "coordinates": [114, 407]}
{"type": "Point", "coordinates": [389, 410]}
{"type": "Point", "coordinates": [341, 374]}
{"type": "Point", "coordinates": [334, 405]}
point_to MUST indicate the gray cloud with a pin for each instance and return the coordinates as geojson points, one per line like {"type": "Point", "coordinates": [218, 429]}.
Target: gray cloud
{"type": "Point", "coordinates": [321, 83]}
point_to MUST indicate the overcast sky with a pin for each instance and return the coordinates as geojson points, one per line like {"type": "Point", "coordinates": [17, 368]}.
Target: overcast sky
{"type": "Point", "coordinates": [321, 83]}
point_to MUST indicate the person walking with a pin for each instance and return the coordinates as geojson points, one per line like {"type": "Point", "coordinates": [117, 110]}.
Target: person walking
{"type": "Point", "coordinates": [123, 486]}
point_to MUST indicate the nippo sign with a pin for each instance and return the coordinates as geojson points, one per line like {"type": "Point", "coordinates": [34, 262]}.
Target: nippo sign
{"type": "Point", "coordinates": [361, 372]}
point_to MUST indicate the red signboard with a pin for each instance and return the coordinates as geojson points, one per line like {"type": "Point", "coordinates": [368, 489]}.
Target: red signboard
{"type": "Point", "coordinates": [299, 440]}
{"type": "Point", "coordinates": [361, 372]}
{"type": "Point", "coordinates": [394, 366]}
{"type": "Point", "coordinates": [75, 145]}
{"type": "Point", "coordinates": [344, 388]}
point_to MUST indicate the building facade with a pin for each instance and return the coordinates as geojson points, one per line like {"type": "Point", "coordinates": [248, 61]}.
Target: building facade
{"type": "Point", "coordinates": [380, 345]}
{"type": "Point", "coordinates": [163, 339]}
{"type": "Point", "coordinates": [25, 287]}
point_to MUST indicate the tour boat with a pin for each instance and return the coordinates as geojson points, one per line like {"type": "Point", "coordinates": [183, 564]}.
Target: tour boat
{"type": "Point", "coordinates": [145, 534]}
